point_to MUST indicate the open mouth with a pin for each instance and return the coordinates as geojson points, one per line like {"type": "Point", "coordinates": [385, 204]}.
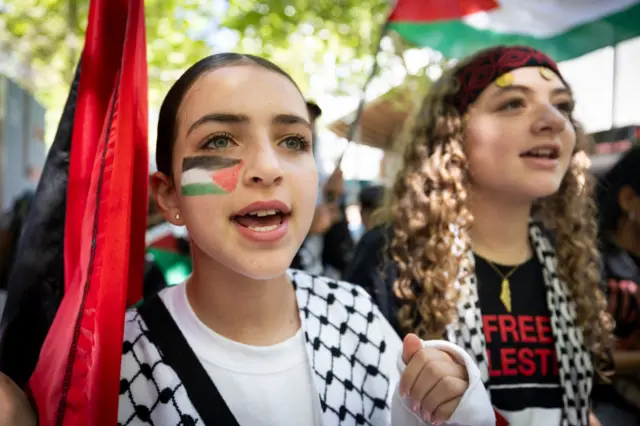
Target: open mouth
{"type": "Point", "coordinates": [262, 220]}
{"type": "Point", "coordinates": [545, 153]}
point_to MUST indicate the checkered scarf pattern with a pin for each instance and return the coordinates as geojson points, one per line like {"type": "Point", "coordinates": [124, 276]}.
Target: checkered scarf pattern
{"type": "Point", "coordinates": [575, 363]}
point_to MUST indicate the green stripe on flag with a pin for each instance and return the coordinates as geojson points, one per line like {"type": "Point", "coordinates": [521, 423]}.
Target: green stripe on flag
{"type": "Point", "coordinates": [175, 267]}
{"type": "Point", "coordinates": [455, 39]}
{"type": "Point", "coordinates": [202, 189]}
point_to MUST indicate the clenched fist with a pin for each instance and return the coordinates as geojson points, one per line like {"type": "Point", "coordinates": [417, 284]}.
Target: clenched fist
{"type": "Point", "coordinates": [433, 380]}
{"type": "Point", "coordinates": [15, 409]}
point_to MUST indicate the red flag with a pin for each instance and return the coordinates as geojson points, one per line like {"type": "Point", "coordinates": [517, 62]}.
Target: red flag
{"type": "Point", "coordinates": [425, 11]}
{"type": "Point", "coordinates": [500, 420]}
{"type": "Point", "coordinates": [76, 380]}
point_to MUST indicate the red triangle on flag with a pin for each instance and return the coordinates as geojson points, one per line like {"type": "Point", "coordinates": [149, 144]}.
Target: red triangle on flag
{"type": "Point", "coordinates": [227, 179]}
{"type": "Point", "coordinates": [500, 420]}
{"type": "Point", "coordinates": [421, 11]}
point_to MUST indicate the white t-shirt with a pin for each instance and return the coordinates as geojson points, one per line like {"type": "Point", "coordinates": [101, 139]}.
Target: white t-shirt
{"type": "Point", "coordinates": [342, 334]}
{"type": "Point", "coordinates": [262, 385]}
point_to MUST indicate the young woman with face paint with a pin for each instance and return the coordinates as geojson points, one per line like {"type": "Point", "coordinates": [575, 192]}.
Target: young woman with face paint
{"type": "Point", "coordinates": [490, 235]}
{"type": "Point", "coordinates": [235, 166]}
{"type": "Point", "coordinates": [244, 341]}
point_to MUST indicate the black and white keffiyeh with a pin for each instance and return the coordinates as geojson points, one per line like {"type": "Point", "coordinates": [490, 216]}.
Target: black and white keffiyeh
{"type": "Point", "coordinates": [348, 348]}
{"type": "Point", "coordinates": [575, 364]}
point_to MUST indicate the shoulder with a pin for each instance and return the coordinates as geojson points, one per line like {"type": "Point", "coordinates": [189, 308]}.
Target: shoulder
{"type": "Point", "coordinates": [346, 306]}
{"type": "Point", "coordinates": [376, 238]}
{"type": "Point", "coordinates": [150, 389]}
{"type": "Point", "coordinates": [137, 347]}
{"type": "Point", "coordinates": [369, 254]}
{"type": "Point", "coordinates": [329, 291]}
{"type": "Point", "coordinates": [341, 324]}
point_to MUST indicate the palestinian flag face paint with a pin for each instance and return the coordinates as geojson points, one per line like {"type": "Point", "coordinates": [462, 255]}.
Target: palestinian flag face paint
{"type": "Point", "coordinates": [205, 175]}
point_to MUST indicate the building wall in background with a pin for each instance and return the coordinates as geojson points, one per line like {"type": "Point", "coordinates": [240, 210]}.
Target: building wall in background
{"type": "Point", "coordinates": [22, 148]}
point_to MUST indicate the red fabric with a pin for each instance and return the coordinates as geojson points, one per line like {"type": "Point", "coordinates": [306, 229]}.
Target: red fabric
{"type": "Point", "coordinates": [490, 64]}
{"type": "Point", "coordinates": [500, 420]}
{"type": "Point", "coordinates": [426, 11]}
{"type": "Point", "coordinates": [76, 380]}
{"type": "Point", "coordinates": [168, 243]}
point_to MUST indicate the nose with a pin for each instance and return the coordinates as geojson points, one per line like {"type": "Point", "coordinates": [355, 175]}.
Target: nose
{"type": "Point", "coordinates": [264, 167]}
{"type": "Point", "coordinates": [549, 120]}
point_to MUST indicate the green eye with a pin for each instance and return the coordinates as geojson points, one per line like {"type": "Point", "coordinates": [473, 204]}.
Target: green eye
{"type": "Point", "coordinates": [295, 143]}
{"type": "Point", "coordinates": [219, 141]}
{"type": "Point", "coordinates": [292, 143]}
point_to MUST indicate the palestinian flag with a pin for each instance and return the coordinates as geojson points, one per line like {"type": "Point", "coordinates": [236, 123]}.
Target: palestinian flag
{"type": "Point", "coordinates": [204, 175]}
{"type": "Point", "coordinates": [164, 249]}
{"type": "Point", "coordinates": [562, 29]}
{"type": "Point", "coordinates": [36, 283]}
{"type": "Point", "coordinates": [97, 224]}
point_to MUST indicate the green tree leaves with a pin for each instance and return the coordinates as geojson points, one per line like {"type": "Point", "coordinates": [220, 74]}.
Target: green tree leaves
{"type": "Point", "coordinates": [48, 36]}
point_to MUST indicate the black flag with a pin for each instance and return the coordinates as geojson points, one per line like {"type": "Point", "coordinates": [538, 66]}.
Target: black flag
{"type": "Point", "coordinates": [36, 283]}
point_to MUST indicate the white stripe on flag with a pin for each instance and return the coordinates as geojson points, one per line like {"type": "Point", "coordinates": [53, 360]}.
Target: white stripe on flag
{"type": "Point", "coordinates": [195, 176]}
{"type": "Point", "coordinates": [544, 18]}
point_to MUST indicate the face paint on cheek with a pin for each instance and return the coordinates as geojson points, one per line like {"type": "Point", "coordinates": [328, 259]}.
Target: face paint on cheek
{"type": "Point", "coordinates": [206, 175]}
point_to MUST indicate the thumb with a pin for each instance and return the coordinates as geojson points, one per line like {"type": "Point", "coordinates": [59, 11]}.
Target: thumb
{"type": "Point", "coordinates": [410, 346]}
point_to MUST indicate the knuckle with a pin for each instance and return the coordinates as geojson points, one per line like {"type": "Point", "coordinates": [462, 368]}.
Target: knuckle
{"type": "Point", "coordinates": [424, 355]}
{"type": "Point", "coordinates": [435, 369]}
{"type": "Point", "coordinates": [450, 384]}
{"type": "Point", "coordinates": [444, 412]}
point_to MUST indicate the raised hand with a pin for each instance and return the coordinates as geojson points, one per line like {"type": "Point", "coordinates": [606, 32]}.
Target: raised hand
{"type": "Point", "coordinates": [433, 380]}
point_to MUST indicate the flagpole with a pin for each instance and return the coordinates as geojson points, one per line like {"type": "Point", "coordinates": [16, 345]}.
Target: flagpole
{"type": "Point", "coordinates": [353, 126]}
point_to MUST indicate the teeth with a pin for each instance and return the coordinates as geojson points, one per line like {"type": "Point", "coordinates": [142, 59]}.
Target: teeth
{"type": "Point", "coordinates": [262, 213]}
{"type": "Point", "coordinates": [542, 152]}
{"type": "Point", "coordinates": [263, 228]}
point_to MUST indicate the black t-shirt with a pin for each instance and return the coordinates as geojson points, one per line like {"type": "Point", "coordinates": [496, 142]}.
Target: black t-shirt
{"type": "Point", "coordinates": [523, 366]}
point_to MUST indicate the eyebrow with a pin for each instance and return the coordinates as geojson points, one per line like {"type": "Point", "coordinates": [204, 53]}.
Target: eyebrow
{"type": "Point", "coordinates": [225, 118]}
{"type": "Point", "coordinates": [521, 88]}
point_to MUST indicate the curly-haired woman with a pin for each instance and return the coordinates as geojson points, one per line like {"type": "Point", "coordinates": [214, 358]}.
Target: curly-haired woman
{"type": "Point", "coordinates": [491, 235]}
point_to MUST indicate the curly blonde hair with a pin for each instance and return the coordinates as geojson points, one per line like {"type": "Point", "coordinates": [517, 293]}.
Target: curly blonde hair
{"type": "Point", "coordinates": [428, 210]}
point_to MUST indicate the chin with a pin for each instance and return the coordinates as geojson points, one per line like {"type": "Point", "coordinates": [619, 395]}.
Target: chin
{"type": "Point", "coordinates": [248, 260]}
{"type": "Point", "coordinates": [265, 269]}
{"type": "Point", "coordinates": [543, 190]}
{"type": "Point", "coordinates": [260, 264]}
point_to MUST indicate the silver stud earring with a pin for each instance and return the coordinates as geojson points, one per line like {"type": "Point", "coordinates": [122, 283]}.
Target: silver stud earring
{"type": "Point", "coordinates": [177, 216]}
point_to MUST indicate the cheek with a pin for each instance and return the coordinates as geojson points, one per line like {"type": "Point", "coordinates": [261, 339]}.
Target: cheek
{"type": "Point", "coordinates": [569, 140]}
{"type": "Point", "coordinates": [304, 185]}
{"type": "Point", "coordinates": [209, 175]}
{"type": "Point", "coordinates": [202, 211]}
{"type": "Point", "coordinates": [488, 146]}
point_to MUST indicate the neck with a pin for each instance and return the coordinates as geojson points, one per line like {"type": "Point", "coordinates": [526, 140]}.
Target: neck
{"type": "Point", "coordinates": [249, 311]}
{"type": "Point", "coordinates": [500, 230]}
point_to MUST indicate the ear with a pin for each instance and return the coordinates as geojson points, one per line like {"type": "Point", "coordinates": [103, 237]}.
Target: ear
{"type": "Point", "coordinates": [167, 200]}
{"type": "Point", "coordinates": [627, 198]}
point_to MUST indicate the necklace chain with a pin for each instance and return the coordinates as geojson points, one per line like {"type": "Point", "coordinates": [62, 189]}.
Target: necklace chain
{"type": "Point", "coordinates": [505, 290]}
